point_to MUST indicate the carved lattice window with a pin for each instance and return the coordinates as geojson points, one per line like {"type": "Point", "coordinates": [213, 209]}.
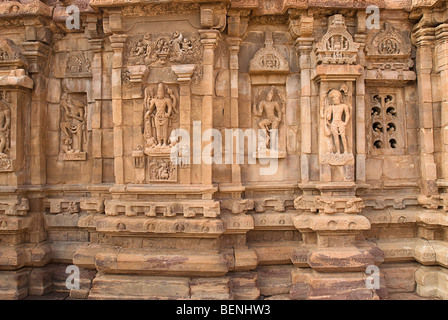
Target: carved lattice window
{"type": "Point", "coordinates": [386, 123]}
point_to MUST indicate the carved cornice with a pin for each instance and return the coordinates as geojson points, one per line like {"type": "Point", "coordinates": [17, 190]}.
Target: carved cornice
{"type": "Point", "coordinates": [14, 9]}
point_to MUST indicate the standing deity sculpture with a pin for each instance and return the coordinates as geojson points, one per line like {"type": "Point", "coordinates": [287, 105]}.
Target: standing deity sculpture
{"type": "Point", "coordinates": [273, 110]}
{"type": "Point", "coordinates": [5, 124]}
{"type": "Point", "coordinates": [73, 125]}
{"type": "Point", "coordinates": [337, 116]}
{"type": "Point", "coordinates": [160, 113]}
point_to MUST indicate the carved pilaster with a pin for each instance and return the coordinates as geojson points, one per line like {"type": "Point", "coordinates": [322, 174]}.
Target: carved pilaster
{"type": "Point", "coordinates": [423, 38]}
{"type": "Point", "coordinates": [209, 40]}
{"type": "Point", "coordinates": [302, 28]}
{"type": "Point", "coordinates": [441, 51]}
{"type": "Point", "coordinates": [184, 74]}
{"type": "Point", "coordinates": [117, 43]}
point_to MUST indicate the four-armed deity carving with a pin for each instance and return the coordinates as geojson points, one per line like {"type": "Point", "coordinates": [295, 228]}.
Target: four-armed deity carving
{"type": "Point", "coordinates": [160, 115]}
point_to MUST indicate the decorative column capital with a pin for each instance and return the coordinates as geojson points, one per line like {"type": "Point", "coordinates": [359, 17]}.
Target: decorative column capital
{"type": "Point", "coordinates": [96, 45]}
{"type": "Point", "coordinates": [117, 41]}
{"type": "Point", "coordinates": [36, 53]}
{"type": "Point", "coordinates": [423, 36]}
{"type": "Point", "coordinates": [234, 44]}
{"type": "Point", "coordinates": [183, 72]}
{"type": "Point", "coordinates": [209, 37]}
{"type": "Point", "coordinates": [304, 45]}
{"type": "Point", "coordinates": [301, 27]}
{"type": "Point", "coordinates": [441, 32]}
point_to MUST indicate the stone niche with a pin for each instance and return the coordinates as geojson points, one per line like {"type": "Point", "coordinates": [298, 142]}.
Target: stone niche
{"type": "Point", "coordinates": [268, 70]}
{"type": "Point", "coordinates": [336, 74]}
{"type": "Point", "coordinates": [74, 110]}
{"type": "Point", "coordinates": [73, 127]}
{"type": "Point", "coordinates": [160, 120]}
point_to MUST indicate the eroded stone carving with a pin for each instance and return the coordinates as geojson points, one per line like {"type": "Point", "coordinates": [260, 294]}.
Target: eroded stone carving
{"type": "Point", "coordinates": [5, 131]}
{"type": "Point", "coordinates": [73, 128]}
{"type": "Point", "coordinates": [336, 116]}
{"type": "Point", "coordinates": [270, 111]}
{"type": "Point", "coordinates": [162, 169]}
{"type": "Point", "coordinates": [10, 53]}
{"type": "Point", "coordinates": [177, 47]}
{"type": "Point", "coordinates": [152, 9]}
{"type": "Point", "coordinates": [269, 59]}
{"type": "Point", "coordinates": [78, 65]}
{"type": "Point", "coordinates": [389, 55]}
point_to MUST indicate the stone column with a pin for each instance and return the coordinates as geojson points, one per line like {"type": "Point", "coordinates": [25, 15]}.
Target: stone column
{"type": "Point", "coordinates": [96, 67]}
{"type": "Point", "coordinates": [234, 47]}
{"type": "Point", "coordinates": [208, 38]}
{"type": "Point", "coordinates": [117, 43]}
{"type": "Point", "coordinates": [304, 47]}
{"type": "Point", "coordinates": [302, 29]}
{"type": "Point", "coordinates": [424, 40]}
{"type": "Point", "coordinates": [360, 113]}
{"type": "Point", "coordinates": [441, 34]}
{"type": "Point", "coordinates": [184, 73]}
{"type": "Point", "coordinates": [37, 53]}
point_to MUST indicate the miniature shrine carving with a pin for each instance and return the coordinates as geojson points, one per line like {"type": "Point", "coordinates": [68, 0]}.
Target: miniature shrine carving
{"type": "Point", "coordinates": [337, 45]}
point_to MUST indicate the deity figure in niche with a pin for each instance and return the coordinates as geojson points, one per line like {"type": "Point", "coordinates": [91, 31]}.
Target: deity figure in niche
{"type": "Point", "coordinates": [337, 116]}
{"type": "Point", "coordinates": [274, 111]}
{"type": "Point", "coordinates": [73, 125]}
{"type": "Point", "coordinates": [160, 109]}
{"type": "Point", "coordinates": [5, 124]}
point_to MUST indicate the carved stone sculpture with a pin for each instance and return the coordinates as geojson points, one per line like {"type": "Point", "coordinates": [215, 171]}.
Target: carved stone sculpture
{"type": "Point", "coordinates": [337, 116]}
{"type": "Point", "coordinates": [273, 111]}
{"type": "Point", "coordinates": [162, 170]}
{"type": "Point", "coordinates": [177, 47]}
{"type": "Point", "coordinates": [160, 114]}
{"type": "Point", "coordinates": [73, 128]}
{"type": "Point", "coordinates": [337, 45]}
{"type": "Point", "coordinates": [5, 124]}
{"type": "Point", "coordinates": [185, 193]}
{"type": "Point", "coordinates": [78, 65]}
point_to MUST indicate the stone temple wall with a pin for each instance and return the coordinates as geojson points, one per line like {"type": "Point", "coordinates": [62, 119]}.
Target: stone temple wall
{"type": "Point", "coordinates": [347, 173]}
